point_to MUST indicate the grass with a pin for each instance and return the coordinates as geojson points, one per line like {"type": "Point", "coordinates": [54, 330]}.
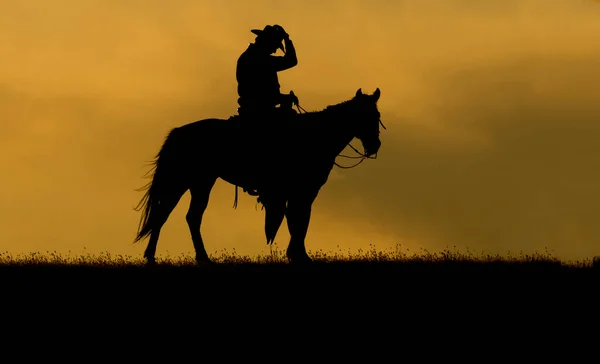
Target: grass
{"type": "Point", "coordinates": [362, 259]}
{"type": "Point", "coordinates": [348, 281]}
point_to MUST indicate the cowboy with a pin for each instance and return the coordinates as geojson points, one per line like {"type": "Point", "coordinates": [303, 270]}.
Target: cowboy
{"type": "Point", "coordinates": [259, 95]}
{"type": "Point", "coordinates": [256, 74]}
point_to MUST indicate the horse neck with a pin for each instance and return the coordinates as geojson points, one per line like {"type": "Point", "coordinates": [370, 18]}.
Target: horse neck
{"type": "Point", "coordinates": [337, 132]}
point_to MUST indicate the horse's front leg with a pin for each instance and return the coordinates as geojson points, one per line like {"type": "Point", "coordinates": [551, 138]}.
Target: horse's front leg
{"type": "Point", "coordinates": [298, 218]}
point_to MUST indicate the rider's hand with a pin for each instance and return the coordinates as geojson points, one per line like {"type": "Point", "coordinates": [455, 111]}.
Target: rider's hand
{"type": "Point", "coordinates": [281, 31]}
{"type": "Point", "coordinates": [294, 99]}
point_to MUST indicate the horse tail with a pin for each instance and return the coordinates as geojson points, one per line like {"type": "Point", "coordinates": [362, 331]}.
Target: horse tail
{"type": "Point", "coordinates": [164, 180]}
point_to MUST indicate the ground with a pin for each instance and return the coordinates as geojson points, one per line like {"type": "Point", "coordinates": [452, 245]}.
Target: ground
{"type": "Point", "coordinates": [360, 296]}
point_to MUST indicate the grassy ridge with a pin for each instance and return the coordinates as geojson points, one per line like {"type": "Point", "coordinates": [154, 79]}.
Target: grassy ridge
{"type": "Point", "coordinates": [362, 259]}
{"type": "Point", "coordinates": [396, 279]}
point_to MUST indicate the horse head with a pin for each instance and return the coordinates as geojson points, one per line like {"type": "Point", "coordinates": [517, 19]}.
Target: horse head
{"type": "Point", "coordinates": [366, 120]}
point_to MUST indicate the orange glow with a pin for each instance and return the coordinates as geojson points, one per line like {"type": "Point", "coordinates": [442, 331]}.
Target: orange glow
{"type": "Point", "coordinates": [492, 112]}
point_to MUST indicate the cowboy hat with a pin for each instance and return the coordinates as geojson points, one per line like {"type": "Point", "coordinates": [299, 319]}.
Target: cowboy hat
{"type": "Point", "coordinates": [271, 33]}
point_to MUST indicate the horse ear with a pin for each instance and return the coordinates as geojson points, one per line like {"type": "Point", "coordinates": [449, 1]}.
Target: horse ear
{"type": "Point", "coordinates": [359, 93]}
{"type": "Point", "coordinates": [377, 94]}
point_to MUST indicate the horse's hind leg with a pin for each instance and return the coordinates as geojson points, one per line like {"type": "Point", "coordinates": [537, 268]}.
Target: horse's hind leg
{"type": "Point", "coordinates": [162, 214]}
{"type": "Point", "coordinates": [200, 192]}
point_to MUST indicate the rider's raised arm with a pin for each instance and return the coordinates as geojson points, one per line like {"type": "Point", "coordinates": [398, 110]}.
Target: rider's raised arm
{"type": "Point", "coordinates": [287, 61]}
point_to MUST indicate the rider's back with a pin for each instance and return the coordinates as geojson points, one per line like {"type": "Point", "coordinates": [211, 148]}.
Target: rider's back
{"type": "Point", "coordinates": [258, 84]}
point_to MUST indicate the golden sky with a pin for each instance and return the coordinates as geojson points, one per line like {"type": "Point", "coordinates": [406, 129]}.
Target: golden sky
{"type": "Point", "coordinates": [492, 109]}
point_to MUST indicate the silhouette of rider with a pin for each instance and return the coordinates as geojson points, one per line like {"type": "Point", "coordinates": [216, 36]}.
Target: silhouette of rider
{"type": "Point", "coordinates": [256, 74]}
{"type": "Point", "coordinates": [259, 95]}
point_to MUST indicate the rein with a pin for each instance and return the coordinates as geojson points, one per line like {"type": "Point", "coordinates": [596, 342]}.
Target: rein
{"type": "Point", "coordinates": [360, 155]}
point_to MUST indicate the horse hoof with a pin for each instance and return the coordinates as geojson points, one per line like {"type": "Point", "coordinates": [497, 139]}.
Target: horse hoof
{"type": "Point", "coordinates": [300, 260]}
{"type": "Point", "coordinates": [204, 261]}
{"type": "Point", "coordinates": [150, 263]}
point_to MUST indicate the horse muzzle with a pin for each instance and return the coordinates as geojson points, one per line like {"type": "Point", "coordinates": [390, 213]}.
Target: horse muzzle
{"type": "Point", "coordinates": [371, 147]}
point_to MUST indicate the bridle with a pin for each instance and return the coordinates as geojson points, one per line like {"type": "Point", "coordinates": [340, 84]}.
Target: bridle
{"type": "Point", "coordinates": [361, 156]}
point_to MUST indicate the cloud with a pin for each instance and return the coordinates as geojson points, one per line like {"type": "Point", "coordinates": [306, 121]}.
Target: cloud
{"type": "Point", "coordinates": [490, 108]}
{"type": "Point", "coordinates": [530, 182]}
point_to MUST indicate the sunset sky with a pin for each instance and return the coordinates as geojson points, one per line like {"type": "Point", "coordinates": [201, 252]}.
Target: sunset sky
{"type": "Point", "coordinates": [492, 111]}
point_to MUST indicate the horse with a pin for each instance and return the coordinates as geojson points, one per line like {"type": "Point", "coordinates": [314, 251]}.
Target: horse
{"type": "Point", "coordinates": [195, 155]}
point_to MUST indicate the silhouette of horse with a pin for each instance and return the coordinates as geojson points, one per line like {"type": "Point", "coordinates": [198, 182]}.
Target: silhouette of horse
{"type": "Point", "coordinates": [195, 155]}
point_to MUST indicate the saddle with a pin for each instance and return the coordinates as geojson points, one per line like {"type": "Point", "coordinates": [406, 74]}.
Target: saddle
{"type": "Point", "coordinates": [266, 133]}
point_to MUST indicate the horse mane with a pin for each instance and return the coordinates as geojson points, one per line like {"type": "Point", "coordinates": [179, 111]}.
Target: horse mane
{"type": "Point", "coordinates": [329, 109]}
{"type": "Point", "coordinates": [336, 107]}
{"type": "Point", "coordinates": [339, 105]}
